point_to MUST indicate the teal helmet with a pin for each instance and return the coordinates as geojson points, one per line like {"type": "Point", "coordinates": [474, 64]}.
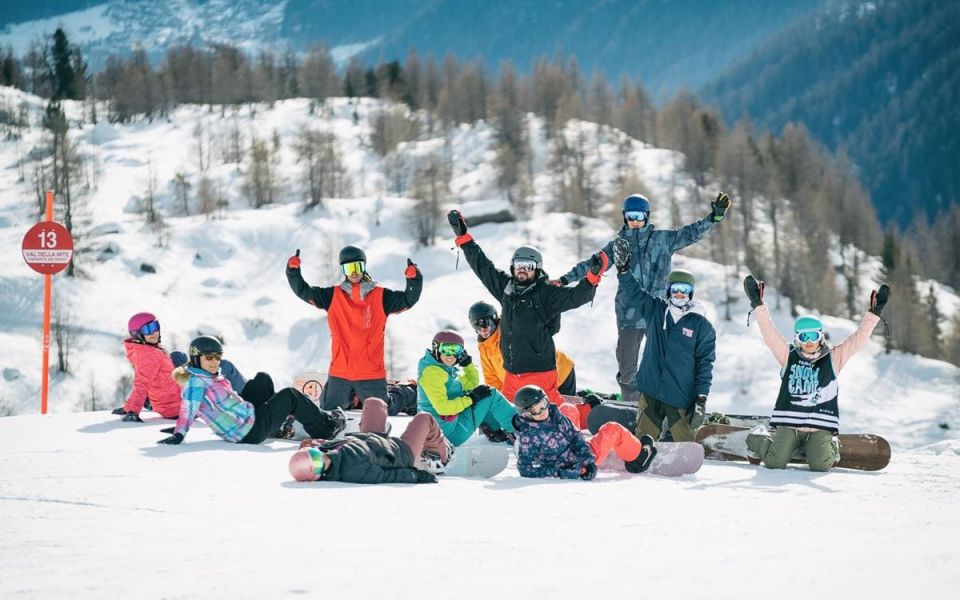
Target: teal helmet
{"type": "Point", "coordinates": [807, 323]}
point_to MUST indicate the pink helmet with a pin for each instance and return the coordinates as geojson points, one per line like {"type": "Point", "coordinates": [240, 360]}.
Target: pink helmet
{"type": "Point", "coordinates": [139, 320]}
{"type": "Point", "coordinates": [306, 464]}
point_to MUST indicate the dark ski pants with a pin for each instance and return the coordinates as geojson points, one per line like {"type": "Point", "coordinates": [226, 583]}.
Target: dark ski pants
{"type": "Point", "coordinates": [270, 414]}
{"type": "Point", "coordinates": [776, 451]}
{"type": "Point", "coordinates": [258, 390]}
{"type": "Point", "coordinates": [628, 359]}
{"type": "Point", "coordinates": [652, 414]}
{"type": "Point", "coordinates": [339, 391]}
{"type": "Point", "coordinates": [422, 433]}
{"type": "Point", "coordinates": [494, 409]}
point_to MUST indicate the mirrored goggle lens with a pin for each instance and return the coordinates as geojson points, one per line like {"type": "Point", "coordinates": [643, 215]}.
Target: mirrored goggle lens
{"type": "Point", "coordinates": [151, 327]}
{"type": "Point", "coordinates": [535, 410]}
{"type": "Point", "coordinates": [482, 323]}
{"type": "Point", "coordinates": [681, 288]}
{"type": "Point", "coordinates": [450, 349]}
{"type": "Point", "coordinates": [316, 459]}
{"type": "Point", "coordinates": [213, 356]}
{"type": "Point", "coordinates": [353, 268]}
{"type": "Point", "coordinates": [809, 336]}
{"type": "Point", "coordinates": [635, 215]}
{"type": "Point", "coordinates": [524, 265]}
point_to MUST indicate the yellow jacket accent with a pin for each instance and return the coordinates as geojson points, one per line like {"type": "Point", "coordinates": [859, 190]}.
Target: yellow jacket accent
{"type": "Point", "coordinates": [492, 362]}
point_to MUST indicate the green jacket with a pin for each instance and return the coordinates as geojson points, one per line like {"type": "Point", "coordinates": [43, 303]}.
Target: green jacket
{"type": "Point", "coordinates": [440, 391]}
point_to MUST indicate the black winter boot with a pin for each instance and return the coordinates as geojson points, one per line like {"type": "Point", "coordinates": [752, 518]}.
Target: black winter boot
{"type": "Point", "coordinates": [642, 462]}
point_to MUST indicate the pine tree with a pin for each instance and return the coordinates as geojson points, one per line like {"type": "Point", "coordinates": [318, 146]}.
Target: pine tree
{"type": "Point", "coordinates": [62, 73]}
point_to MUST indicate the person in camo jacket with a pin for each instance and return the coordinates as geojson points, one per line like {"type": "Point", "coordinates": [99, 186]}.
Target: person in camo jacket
{"type": "Point", "coordinates": [807, 414]}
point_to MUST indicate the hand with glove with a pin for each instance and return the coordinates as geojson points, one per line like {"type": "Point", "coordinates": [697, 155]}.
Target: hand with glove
{"type": "Point", "coordinates": [878, 299]}
{"type": "Point", "coordinates": [173, 440]}
{"type": "Point", "coordinates": [719, 207]}
{"type": "Point", "coordinates": [699, 412]}
{"type": "Point", "coordinates": [118, 411]}
{"type": "Point", "coordinates": [294, 261]}
{"type": "Point", "coordinates": [588, 471]}
{"type": "Point", "coordinates": [479, 393]}
{"type": "Point", "coordinates": [457, 222]}
{"type": "Point", "coordinates": [754, 290]}
{"type": "Point", "coordinates": [598, 264]}
{"type": "Point", "coordinates": [131, 417]}
{"type": "Point", "coordinates": [412, 272]}
{"type": "Point", "coordinates": [424, 476]}
{"type": "Point", "coordinates": [621, 254]}
{"type": "Point", "coordinates": [464, 358]}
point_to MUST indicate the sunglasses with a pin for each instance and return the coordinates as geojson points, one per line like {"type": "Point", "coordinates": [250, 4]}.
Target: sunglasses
{"type": "Point", "coordinates": [635, 215]}
{"type": "Point", "coordinates": [450, 349]}
{"type": "Point", "coordinates": [151, 327]}
{"type": "Point", "coordinates": [213, 356]}
{"type": "Point", "coordinates": [482, 323]}
{"type": "Point", "coordinates": [806, 337]}
{"type": "Point", "coordinates": [681, 288]}
{"type": "Point", "coordinates": [530, 412]}
{"type": "Point", "coordinates": [524, 265]}
{"type": "Point", "coordinates": [354, 268]}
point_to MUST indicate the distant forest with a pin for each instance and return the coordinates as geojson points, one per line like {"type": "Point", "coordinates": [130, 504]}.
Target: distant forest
{"type": "Point", "coordinates": [812, 198]}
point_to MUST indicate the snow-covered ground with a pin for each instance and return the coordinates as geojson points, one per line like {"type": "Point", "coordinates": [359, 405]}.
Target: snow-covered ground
{"type": "Point", "coordinates": [113, 514]}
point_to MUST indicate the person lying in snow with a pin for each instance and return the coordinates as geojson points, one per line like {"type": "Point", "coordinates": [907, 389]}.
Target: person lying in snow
{"type": "Point", "coordinates": [207, 393]}
{"type": "Point", "coordinates": [374, 457]}
{"type": "Point", "coordinates": [806, 415]}
{"type": "Point", "coordinates": [548, 444]}
{"type": "Point", "coordinates": [151, 371]}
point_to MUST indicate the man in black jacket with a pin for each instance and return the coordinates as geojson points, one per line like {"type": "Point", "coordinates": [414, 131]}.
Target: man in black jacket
{"type": "Point", "coordinates": [531, 309]}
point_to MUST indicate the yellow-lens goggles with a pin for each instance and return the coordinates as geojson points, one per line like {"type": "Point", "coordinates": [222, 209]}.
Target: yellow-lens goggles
{"type": "Point", "coordinates": [354, 268]}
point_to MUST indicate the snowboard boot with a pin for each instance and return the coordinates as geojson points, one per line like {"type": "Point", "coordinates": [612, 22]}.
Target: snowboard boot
{"type": "Point", "coordinates": [339, 419]}
{"type": "Point", "coordinates": [286, 431]}
{"type": "Point", "coordinates": [431, 462]}
{"type": "Point", "coordinates": [593, 400]}
{"type": "Point", "coordinates": [498, 436]}
{"type": "Point", "coordinates": [642, 462]}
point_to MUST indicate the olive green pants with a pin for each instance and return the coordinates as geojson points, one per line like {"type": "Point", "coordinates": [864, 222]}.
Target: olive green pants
{"type": "Point", "coordinates": [821, 450]}
{"type": "Point", "coordinates": [652, 414]}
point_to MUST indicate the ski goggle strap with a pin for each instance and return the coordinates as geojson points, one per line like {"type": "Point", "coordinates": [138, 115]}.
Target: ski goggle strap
{"type": "Point", "coordinates": [635, 215]}
{"type": "Point", "coordinates": [524, 265]}
{"type": "Point", "coordinates": [806, 337]}
{"type": "Point", "coordinates": [151, 327]}
{"type": "Point", "coordinates": [354, 268]}
{"type": "Point", "coordinates": [680, 288]}
{"type": "Point", "coordinates": [450, 349]}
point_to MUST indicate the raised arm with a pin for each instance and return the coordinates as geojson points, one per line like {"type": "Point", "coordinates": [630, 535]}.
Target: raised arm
{"type": "Point", "coordinates": [490, 276]}
{"type": "Point", "coordinates": [394, 302]}
{"type": "Point", "coordinates": [579, 270]}
{"type": "Point", "coordinates": [771, 337]}
{"type": "Point", "coordinates": [319, 297]}
{"type": "Point", "coordinates": [844, 351]}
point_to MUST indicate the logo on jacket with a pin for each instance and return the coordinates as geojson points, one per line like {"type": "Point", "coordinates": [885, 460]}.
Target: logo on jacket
{"type": "Point", "coordinates": [688, 332]}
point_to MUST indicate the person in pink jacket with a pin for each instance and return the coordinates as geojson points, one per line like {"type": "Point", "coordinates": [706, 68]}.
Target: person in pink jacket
{"type": "Point", "coordinates": [807, 413]}
{"type": "Point", "coordinates": [151, 371]}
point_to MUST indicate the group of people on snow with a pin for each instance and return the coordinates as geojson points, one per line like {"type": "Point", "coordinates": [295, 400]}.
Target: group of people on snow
{"type": "Point", "coordinates": [527, 397]}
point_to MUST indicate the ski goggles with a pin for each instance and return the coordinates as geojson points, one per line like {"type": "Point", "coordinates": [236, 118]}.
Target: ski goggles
{"type": "Point", "coordinates": [450, 349]}
{"type": "Point", "coordinates": [806, 337]}
{"type": "Point", "coordinates": [635, 215]}
{"type": "Point", "coordinates": [680, 288]}
{"type": "Point", "coordinates": [213, 355]}
{"type": "Point", "coordinates": [536, 409]}
{"type": "Point", "coordinates": [151, 327]}
{"type": "Point", "coordinates": [354, 268]}
{"type": "Point", "coordinates": [316, 460]}
{"type": "Point", "coordinates": [483, 323]}
{"type": "Point", "coordinates": [524, 265]}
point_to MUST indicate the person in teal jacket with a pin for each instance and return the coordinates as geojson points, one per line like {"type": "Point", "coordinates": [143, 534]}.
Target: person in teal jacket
{"type": "Point", "coordinates": [459, 403]}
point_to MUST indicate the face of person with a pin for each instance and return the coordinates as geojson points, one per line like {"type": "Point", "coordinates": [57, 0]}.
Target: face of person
{"type": "Point", "coordinates": [355, 277]}
{"type": "Point", "coordinates": [448, 360]}
{"type": "Point", "coordinates": [537, 412]}
{"type": "Point", "coordinates": [635, 224]}
{"type": "Point", "coordinates": [487, 330]}
{"type": "Point", "coordinates": [808, 342]}
{"type": "Point", "coordinates": [524, 273]}
{"type": "Point", "coordinates": [210, 363]}
{"type": "Point", "coordinates": [153, 338]}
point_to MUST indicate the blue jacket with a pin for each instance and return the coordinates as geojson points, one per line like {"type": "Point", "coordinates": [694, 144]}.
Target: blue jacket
{"type": "Point", "coordinates": [677, 363]}
{"type": "Point", "coordinates": [550, 448]}
{"type": "Point", "coordinates": [651, 251]}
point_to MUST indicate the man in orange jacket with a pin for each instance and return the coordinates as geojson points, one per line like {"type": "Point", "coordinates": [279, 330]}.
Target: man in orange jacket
{"type": "Point", "coordinates": [357, 310]}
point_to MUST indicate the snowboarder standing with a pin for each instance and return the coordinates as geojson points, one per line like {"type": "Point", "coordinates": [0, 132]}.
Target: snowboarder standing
{"type": "Point", "coordinates": [151, 371]}
{"type": "Point", "coordinates": [357, 310]}
{"type": "Point", "coordinates": [207, 394]}
{"type": "Point", "coordinates": [807, 415]}
{"type": "Point", "coordinates": [548, 444]}
{"type": "Point", "coordinates": [651, 251]}
{"type": "Point", "coordinates": [458, 401]}
{"type": "Point", "coordinates": [531, 309]}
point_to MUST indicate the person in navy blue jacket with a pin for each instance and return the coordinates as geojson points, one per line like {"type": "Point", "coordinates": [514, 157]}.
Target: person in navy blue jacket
{"type": "Point", "coordinates": [677, 368]}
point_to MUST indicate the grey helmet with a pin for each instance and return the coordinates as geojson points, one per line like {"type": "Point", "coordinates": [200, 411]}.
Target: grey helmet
{"type": "Point", "coordinates": [527, 253]}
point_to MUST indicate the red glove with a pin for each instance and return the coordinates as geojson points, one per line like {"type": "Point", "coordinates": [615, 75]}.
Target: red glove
{"type": "Point", "coordinates": [294, 261]}
{"type": "Point", "coordinates": [598, 264]}
{"type": "Point", "coordinates": [411, 272]}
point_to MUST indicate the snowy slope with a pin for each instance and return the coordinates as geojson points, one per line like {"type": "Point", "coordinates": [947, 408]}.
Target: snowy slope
{"type": "Point", "coordinates": [91, 507]}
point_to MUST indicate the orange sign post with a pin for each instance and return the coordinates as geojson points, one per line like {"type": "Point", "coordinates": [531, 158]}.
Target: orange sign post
{"type": "Point", "coordinates": [47, 249]}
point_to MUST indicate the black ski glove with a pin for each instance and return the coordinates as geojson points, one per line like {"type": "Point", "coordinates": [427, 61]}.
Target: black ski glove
{"type": "Point", "coordinates": [621, 254]}
{"type": "Point", "coordinates": [479, 393]}
{"type": "Point", "coordinates": [754, 290]}
{"type": "Point", "coordinates": [464, 359]}
{"type": "Point", "coordinates": [424, 476]}
{"type": "Point", "coordinates": [698, 412]}
{"type": "Point", "coordinates": [588, 471]}
{"type": "Point", "coordinates": [719, 207]}
{"type": "Point", "coordinates": [132, 417]}
{"type": "Point", "coordinates": [878, 299]}
{"type": "Point", "coordinates": [457, 222]}
{"type": "Point", "coordinates": [118, 411]}
{"type": "Point", "coordinates": [173, 440]}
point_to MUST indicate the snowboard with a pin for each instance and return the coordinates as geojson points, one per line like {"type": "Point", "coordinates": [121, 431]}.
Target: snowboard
{"type": "Point", "coordinates": [311, 384]}
{"type": "Point", "coordinates": [673, 459]}
{"type": "Point", "coordinates": [860, 451]}
{"type": "Point", "coordinates": [477, 461]}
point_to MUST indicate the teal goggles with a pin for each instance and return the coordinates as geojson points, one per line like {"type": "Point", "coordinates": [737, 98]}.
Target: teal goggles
{"type": "Point", "coordinates": [450, 349]}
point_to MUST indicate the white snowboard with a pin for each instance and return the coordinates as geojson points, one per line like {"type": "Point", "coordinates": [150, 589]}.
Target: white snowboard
{"type": "Point", "coordinates": [478, 461]}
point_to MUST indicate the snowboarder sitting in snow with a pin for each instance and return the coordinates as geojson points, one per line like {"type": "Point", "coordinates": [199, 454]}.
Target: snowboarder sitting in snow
{"type": "Point", "coordinates": [373, 457]}
{"type": "Point", "coordinates": [151, 371]}
{"type": "Point", "coordinates": [531, 310]}
{"type": "Point", "coordinates": [807, 415]}
{"type": "Point", "coordinates": [207, 393]}
{"type": "Point", "coordinates": [548, 444]}
{"type": "Point", "coordinates": [357, 310]}
{"type": "Point", "coordinates": [459, 403]}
